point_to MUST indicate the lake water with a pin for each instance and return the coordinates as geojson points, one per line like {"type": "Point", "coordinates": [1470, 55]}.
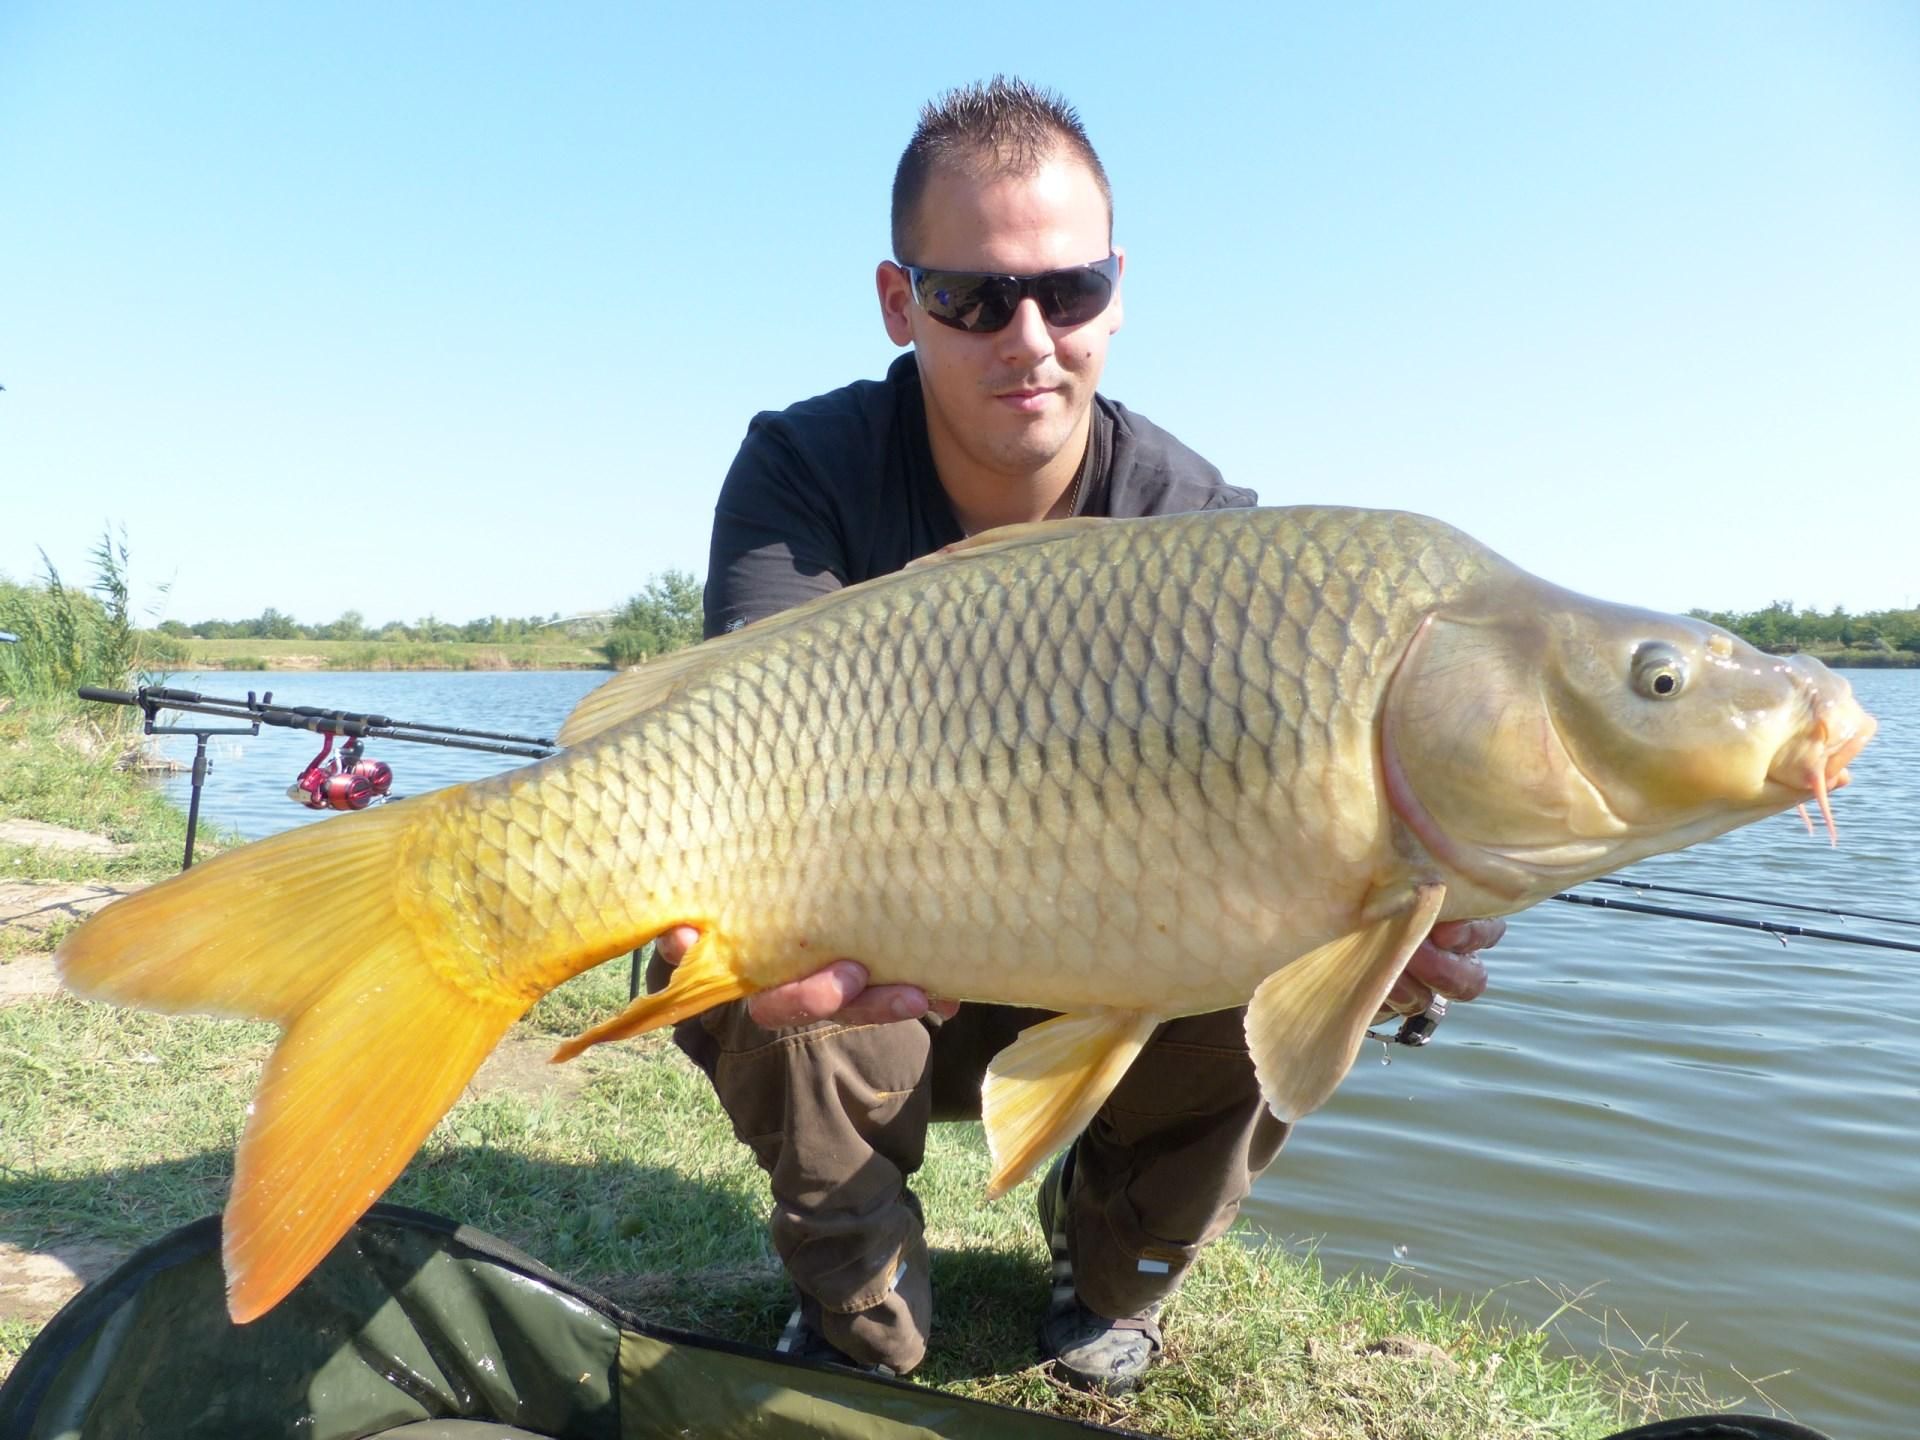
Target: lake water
{"type": "Point", "coordinates": [1708, 1135]}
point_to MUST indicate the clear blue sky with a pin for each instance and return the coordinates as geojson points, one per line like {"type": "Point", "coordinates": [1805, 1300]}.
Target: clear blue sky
{"type": "Point", "coordinates": [465, 307]}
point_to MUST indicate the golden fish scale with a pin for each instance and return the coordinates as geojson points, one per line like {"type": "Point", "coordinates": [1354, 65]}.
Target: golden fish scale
{"type": "Point", "coordinates": [1132, 767]}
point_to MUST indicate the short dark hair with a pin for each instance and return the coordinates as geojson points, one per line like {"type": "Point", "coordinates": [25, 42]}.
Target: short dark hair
{"type": "Point", "coordinates": [1005, 127]}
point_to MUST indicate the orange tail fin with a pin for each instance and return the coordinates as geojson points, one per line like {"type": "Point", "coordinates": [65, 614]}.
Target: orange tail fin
{"type": "Point", "coordinates": [384, 1025]}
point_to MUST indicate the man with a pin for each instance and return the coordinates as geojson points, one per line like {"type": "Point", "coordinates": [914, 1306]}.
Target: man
{"type": "Point", "coordinates": [1006, 284]}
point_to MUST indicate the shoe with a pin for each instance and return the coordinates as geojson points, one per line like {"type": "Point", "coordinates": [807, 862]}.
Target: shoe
{"type": "Point", "coordinates": [889, 1338]}
{"type": "Point", "coordinates": [801, 1341]}
{"type": "Point", "coordinates": [1089, 1351]}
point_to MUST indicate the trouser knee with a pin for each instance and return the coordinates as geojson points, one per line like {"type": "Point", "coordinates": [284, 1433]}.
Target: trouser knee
{"type": "Point", "coordinates": [837, 1117]}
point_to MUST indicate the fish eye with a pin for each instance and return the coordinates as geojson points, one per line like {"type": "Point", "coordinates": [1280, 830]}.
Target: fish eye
{"type": "Point", "coordinates": [1659, 671]}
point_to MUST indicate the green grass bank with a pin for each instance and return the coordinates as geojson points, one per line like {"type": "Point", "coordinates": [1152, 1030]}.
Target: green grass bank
{"type": "Point", "coordinates": [253, 654]}
{"type": "Point", "coordinates": [620, 1169]}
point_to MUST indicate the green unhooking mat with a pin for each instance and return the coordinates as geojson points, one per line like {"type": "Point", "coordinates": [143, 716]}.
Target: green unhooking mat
{"type": "Point", "coordinates": [420, 1329]}
{"type": "Point", "coordinates": [416, 1327]}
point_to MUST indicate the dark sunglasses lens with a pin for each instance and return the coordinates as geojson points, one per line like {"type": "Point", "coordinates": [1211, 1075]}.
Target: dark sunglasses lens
{"type": "Point", "coordinates": [1072, 297]}
{"type": "Point", "coordinates": [968, 302]}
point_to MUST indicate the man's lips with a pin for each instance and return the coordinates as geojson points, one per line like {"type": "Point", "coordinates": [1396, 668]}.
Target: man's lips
{"type": "Point", "coordinates": [1029, 398]}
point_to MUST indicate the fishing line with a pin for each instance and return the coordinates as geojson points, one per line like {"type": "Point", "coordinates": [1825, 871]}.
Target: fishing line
{"type": "Point", "coordinates": [1756, 900]}
{"type": "Point", "coordinates": [1601, 902]}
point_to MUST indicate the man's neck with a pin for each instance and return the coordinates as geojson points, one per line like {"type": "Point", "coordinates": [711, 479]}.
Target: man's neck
{"type": "Point", "coordinates": [984, 499]}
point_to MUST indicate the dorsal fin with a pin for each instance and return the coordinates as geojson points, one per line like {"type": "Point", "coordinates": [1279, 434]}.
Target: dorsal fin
{"type": "Point", "coordinates": [652, 683]}
{"type": "Point", "coordinates": [645, 687]}
{"type": "Point", "coordinates": [631, 692]}
{"type": "Point", "coordinates": [1006, 537]}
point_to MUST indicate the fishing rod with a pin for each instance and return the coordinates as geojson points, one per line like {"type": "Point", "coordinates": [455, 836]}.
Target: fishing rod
{"type": "Point", "coordinates": [347, 781]}
{"type": "Point", "coordinates": [1756, 900]}
{"type": "Point", "coordinates": [321, 721]}
{"type": "Point", "coordinates": [1770, 927]}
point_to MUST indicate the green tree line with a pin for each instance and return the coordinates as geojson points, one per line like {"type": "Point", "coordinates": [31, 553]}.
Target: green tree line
{"type": "Point", "coordinates": [1781, 627]}
{"type": "Point", "coordinates": [272, 624]}
{"type": "Point", "coordinates": [664, 616]}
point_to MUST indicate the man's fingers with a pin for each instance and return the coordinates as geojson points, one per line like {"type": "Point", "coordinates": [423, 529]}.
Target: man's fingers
{"type": "Point", "coordinates": [1456, 976]}
{"type": "Point", "coordinates": [1446, 964]}
{"type": "Point", "coordinates": [840, 992]}
{"type": "Point", "coordinates": [824, 993]}
{"type": "Point", "coordinates": [1463, 937]}
{"type": "Point", "coordinates": [672, 946]}
{"type": "Point", "coordinates": [885, 1003]}
{"type": "Point", "coordinates": [1408, 996]}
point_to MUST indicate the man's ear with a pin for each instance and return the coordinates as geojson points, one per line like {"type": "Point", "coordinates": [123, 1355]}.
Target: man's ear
{"type": "Point", "coordinates": [1117, 311]}
{"type": "Point", "coordinates": [896, 296]}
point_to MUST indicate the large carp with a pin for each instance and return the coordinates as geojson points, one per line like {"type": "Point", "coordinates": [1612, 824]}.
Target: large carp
{"type": "Point", "coordinates": [1244, 757]}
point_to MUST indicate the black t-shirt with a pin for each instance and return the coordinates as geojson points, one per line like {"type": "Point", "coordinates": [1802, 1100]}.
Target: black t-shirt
{"type": "Point", "coordinates": [841, 488]}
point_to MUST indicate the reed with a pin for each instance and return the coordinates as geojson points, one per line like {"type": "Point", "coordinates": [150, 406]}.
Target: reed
{"type": "Point", "coordinates": [67, 638]}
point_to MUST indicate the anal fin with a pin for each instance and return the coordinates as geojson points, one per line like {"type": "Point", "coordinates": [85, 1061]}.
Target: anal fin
{"type": "Point", "coordinates": [1042, 1090]}
{"type": "Point", "coordinates": [704, 979]}
{"type": "Point", "coordinates": [1306, 1022]}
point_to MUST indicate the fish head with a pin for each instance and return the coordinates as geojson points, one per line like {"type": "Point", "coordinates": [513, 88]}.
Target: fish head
{"type": "Point", "coordinates": [1547, 738]}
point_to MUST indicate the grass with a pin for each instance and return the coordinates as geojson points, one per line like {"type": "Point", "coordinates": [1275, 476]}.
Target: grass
{"type": "Point", "coordinates": [255, 654]}
{"type": "Point", "coordinates": [64, 763]}
{"type": "Point", "coordinates": [16, 941]}
{"type": "Point", "coordinates": [15, 1336]}
{"type": "Point", "coordinates": [122, 1125]}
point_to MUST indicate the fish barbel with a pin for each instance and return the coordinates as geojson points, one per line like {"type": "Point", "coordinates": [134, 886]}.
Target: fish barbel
{"type": "Point", "coordinates": [1242, 757]}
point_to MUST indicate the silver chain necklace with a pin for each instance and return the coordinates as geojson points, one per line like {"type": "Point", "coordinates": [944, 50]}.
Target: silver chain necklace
{"type": "Point", "coordinates": [1073, 491]}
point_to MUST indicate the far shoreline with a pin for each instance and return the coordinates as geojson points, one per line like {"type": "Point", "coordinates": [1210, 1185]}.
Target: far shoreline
{"type": "Point", "coordinates": [297, 664]}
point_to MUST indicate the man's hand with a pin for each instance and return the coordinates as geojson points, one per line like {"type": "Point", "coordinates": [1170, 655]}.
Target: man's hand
{"type": "Point", "coordinates": [1446, 964]}
{"type": "Point", "coordinates": [838, 992]}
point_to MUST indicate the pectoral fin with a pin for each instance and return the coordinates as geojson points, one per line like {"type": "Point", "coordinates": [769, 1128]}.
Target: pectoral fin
{"type": "Point", "coordinates": [704, 979]}
{"type": "Point", "coordinates": [1042, 1090]}
{"type": "Point", "coordinates": [1306, 1022]}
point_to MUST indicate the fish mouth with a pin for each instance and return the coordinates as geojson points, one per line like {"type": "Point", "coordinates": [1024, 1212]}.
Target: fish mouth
{"type": "Point", "coordinates": [1814, 763]}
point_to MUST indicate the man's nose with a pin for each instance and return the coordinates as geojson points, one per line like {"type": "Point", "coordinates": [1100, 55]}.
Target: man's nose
{"type": "Point", "coordinates": [1027, 337]}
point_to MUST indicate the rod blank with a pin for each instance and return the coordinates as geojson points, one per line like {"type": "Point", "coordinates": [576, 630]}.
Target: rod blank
{"type": "Point", "coordinates": [1755, 900]}
{"type": "Point", "coordinates": [1770, 927]}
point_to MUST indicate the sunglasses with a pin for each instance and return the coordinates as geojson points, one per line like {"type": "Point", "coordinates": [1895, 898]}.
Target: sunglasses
{"type": "Point", "coordinates": [981, 304]}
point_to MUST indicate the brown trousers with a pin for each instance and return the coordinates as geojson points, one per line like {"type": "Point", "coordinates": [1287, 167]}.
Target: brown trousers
{"type": "Point", "coordinates": [837, 1117]}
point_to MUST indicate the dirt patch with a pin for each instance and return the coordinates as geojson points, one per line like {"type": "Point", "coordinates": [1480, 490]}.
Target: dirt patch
{"type": "Point", "coordinates": [34, 1284]}
{"type": "Point", "coordinates": [42, 836]}
{"type": "Point", "coordinates": [34, 906]}
{"type": "Point", "coordinates": [523, 1065]}
{"type": "Point", "coordinates": [30, 978]}
{"type": "Point", "coordinates": [1410, 1347]}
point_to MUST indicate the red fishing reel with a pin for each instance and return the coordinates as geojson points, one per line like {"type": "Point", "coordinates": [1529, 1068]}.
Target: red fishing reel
{"type": "Point", "coordinates": [346, 781]}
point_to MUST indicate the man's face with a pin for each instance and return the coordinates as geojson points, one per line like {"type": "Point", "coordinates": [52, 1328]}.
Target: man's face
{"type": "Point", "coordinates": [1017, 399]}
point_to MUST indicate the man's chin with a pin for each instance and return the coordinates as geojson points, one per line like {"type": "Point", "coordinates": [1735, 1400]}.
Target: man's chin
{"type": "Point", "coordinates": [1023, 443]}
